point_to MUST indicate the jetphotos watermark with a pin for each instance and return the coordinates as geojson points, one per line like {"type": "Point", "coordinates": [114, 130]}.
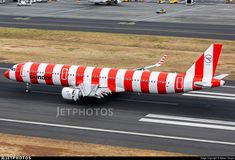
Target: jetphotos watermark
{"type": "Point", "coordinates": [15, 158]}
{"type": "Point", "coordinates": [89, 111]}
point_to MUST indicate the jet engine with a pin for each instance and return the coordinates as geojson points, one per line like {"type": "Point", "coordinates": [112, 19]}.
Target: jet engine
{"type": "Point", "coordinates": [71, 93]}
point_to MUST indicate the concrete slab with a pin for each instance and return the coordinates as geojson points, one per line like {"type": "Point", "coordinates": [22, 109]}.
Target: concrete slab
{"type": "Point", "coordinates": [203, 13]}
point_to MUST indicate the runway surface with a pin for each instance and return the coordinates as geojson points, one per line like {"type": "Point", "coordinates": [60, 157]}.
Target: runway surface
{"type": "Point", "coordinates": [114, 26]}
{"type": "Point", "coordinates": [203, 125]}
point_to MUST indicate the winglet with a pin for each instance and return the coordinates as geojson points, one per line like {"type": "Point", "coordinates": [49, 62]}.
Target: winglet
{"type": "Point", "coordinates": [158, 64]}
{"type": "Point", "coordinates": [161, 61]}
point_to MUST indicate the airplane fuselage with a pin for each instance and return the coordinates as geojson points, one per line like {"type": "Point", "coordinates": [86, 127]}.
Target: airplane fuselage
{"type": "Point", "coordinates": [116, 80]}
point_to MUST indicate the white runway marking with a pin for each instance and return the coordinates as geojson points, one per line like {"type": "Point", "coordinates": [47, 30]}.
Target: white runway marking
{"type": "Point", "coordinates": [127, 23]}
{"type": "Point", "coordinates": [189, 124]}
{"type": "Point", "coordinates": [190, 119]}
{"type": "Point", "coordinates": [213, 93]}
{"type": "Point", "coordinates": [209, 96]}
{"type": "Point", "coordinates": [63, 11]}
{"type": "Point", "coordinates": [228, 86]}
{"type": "Point", "coordinates": [4, 68]}
{"type": "Point", "coordinates": [22, 18]}
{"type": "Point", "coordinates": [117, 131]}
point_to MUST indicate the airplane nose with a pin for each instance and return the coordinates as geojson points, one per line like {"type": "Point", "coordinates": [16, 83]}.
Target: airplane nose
{"type": "Point", "coordinates": [7, 74]}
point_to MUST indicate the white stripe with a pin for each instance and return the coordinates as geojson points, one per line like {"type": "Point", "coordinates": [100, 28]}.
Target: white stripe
{"type": "Point", "coordinates": [170, 83]}
{"type": "Point", "coordinates": [72, 75]}
{"type": "Point", "coordinates": [88, 75]}
{"type": "Point", "coordinates": [41, 72]}
{"type": "Point", "coordinates": [118, 132]}
{"type": "Point", "coordinates": [208, 67]}
{"type": "Point", "coordinates": [25, 72]}
{"type": "Point", "coordinates": [188, 79]}
{"type": "Point", "coordinates": [56, 75]}
{"type": "Point", "coordinates": [120, 80]}
{"type": "Point", "coordinates": [228, 86]}
{"type": "Point", "coordinates": [12, 74]}
{"type": "Point", "coordinates": [214, 93]}
{"type": "Point", "coordinates": [104, 77]}
{"type": "Point", "coordinates": [153, 86]}
{"type": "Point", "coordinates": [190, 124]}
{"type": "Point", "coordinates": [208, 96]}
{"type": "Point", "coordinates": [190, 119]}
{"type": "Point", "coordinates": [136, 81]}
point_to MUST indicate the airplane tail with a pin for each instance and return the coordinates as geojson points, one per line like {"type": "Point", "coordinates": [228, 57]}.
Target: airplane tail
{"type": "Point", "coordinates": [203, 70]}
{"type": "Point", "coordinates": [205, 66]}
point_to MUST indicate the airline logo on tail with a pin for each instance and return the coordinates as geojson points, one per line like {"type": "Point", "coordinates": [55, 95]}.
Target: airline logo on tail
{"type": "Point", "coordinates": [81, 81]}
{"type": "Point", "coordinates": [208, 59]}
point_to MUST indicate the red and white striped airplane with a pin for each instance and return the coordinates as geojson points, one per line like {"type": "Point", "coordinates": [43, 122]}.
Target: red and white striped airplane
{"type": "Point", "coordinates": [81, 81]}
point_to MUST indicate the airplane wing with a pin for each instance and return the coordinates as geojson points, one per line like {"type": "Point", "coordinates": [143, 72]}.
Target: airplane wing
{"type": "Point", "coordinates": [158, 64]}
{"type": "Point", "coordinates": [94, 90]}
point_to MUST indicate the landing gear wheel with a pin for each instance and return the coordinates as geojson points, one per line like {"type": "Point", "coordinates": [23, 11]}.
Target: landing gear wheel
{"type": "Point", "coordinates": [28, 88]}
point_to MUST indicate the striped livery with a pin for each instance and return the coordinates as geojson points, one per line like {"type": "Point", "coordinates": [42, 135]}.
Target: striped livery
{"type": "Point", "coordinates": [122, 80]}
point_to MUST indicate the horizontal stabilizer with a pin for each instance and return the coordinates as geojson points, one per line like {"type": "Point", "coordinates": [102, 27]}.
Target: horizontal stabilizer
{"type": "Point", "coordinates": [222, 76]}
{"type": "Point", "coordinates": [202, 84]}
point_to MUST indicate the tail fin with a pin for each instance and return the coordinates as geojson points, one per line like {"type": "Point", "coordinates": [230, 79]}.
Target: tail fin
{"type": "Point", "coordinates": [205, 66]}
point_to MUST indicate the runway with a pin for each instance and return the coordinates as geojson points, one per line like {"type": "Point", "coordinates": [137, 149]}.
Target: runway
{"type": "Point", "coordinates": [198, 125]}
{"type": "Point", "coordinates": [211, 31]}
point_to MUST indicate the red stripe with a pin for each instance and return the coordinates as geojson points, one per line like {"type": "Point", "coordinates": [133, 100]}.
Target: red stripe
{"type": "Point", "coordinates": [128, 80]}
{"type": "Point", "coordinates": [161, 85]}
{"type": "Point", "coordinates": [144, 83]}
{"type": "Point", "coordinates": [112, 79]}
{"type": "Point", "coordinates": [33, 73]}
{"type": "Point", "coordinates": [96, 76]}
{"type": "Point", "coordinates": [217, 49]}
{"type": "Point", "coordinates": [18, 72]}
{"type": "Point", "coordinates": [179, 83]}
{"type": "Point", "coordinates": [64, 72]}
{"type": "Point", "coordinates": [80, 75]}
{"type": "Point", "coordinates": [199, 66]}
{"type": "Point", "coordinates": [48, 74]}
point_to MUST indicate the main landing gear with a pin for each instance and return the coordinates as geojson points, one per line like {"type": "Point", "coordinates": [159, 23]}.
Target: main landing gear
{"type": "Point", "coordinates": [28, 88]}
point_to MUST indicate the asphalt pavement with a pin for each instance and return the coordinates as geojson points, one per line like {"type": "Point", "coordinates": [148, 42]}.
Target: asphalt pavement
{"type": "Point", "coordinates": [209, 31]}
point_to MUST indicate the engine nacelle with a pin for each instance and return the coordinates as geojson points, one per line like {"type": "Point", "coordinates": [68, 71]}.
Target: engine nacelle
{"type": "Point", "coordinates": [71, 93]}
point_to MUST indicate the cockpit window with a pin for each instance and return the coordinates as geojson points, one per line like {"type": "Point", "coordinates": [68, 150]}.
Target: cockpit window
{"type": "Point", "coordinates": [13, 68]}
